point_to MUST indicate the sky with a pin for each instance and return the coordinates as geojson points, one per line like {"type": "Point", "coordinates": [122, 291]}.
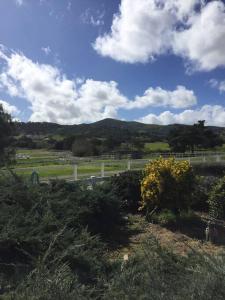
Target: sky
{"type": "Point", "coordinates": [80, 61]}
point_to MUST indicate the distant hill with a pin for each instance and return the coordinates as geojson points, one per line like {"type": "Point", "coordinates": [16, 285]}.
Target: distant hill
{"type": "Point", "coordinates": [102, 129]}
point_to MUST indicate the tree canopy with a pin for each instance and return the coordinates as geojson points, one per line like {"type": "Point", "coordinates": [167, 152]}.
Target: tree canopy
{"type": "Point", "coordinates": [193, 137]}
{"type": "Point", "coordinates": [6, 132]}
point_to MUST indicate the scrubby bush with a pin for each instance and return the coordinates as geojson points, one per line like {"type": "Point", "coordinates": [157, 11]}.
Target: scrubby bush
{"type": "Point", "coordinates": [217, 200]}
{"type": "Point", "coordinates": [57, 223]}
{"type": "Point", "coordinates": [167, 184]}
{"type": "Point", "coordinates": [203, 187]}
{"type": "Point", "coordinates": [127, 187]}
{"type": "Point", "coordinates": [165, 217]}
{"type": "Point", "coordinates": [157, 273]}
{"type": "Point", "coordinates": [209, 169]}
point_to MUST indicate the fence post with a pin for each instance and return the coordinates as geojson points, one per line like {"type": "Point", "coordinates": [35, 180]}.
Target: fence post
{"type": "Point", "coordinates": [128, 165]}
{"type": "Point", "coordinates": [102, 169]}
{"type": "Point", "coordinates": [75, 173]}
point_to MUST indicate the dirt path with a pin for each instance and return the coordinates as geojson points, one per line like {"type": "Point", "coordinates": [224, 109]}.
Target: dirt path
{"type": "Point", "coordinates": [178, 242]}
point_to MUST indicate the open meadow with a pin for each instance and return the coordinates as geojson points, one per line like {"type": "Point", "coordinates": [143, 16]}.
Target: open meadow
{"type": "Point", "coordinates": [61, 164]}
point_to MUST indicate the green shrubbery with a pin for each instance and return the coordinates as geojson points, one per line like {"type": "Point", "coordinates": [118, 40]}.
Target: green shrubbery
{"type": "Point", "coordinates": [217, 200]}
{"type": "Point", "coordinates": [156, 273]}
{"type": "Point", "coordinates": [209, 169]}
{"type": "Point", "coordinates": [55, 224]}
{"type": "Point", "coordinates": [127, 187]}
{"type": "Point", "coordinates": [54, 241]}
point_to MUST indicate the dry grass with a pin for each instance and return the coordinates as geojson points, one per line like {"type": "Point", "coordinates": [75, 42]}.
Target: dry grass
{"type": "Point", "coordinates": [178, 242]}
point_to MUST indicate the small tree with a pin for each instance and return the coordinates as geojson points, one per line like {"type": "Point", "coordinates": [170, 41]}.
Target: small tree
{"type": "Point", "coordinates": [6, 132]}
{"type": "Point", "coordinates": [167, 184]}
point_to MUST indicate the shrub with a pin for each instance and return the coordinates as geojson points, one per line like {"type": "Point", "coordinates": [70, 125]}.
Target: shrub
{"type": "Point", "coordinates": [165, 217]}
{"type": "Point", "coordinates": [127, 187]}
{"type": "Point", "coordinates": [157, 273]}
{"type": "Point", "coordinates": [217, 200]}
{"type": "Point", "coordinates": [209, 169]}
{"type": "Point", "coordinates": [204, 185]}
{"type": "Point", "coordinates": [54, 222]}
{"type": "Point", "coordinates": [167, 184]}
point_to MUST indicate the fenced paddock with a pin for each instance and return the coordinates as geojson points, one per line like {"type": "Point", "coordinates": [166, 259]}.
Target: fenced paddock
{"type": "Point", "coordinates": [73, 169]}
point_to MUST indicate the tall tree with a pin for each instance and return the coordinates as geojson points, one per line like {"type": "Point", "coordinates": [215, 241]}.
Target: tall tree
{"type": "Point", "coordinates": [188, 138]}
{"type": "Point", "coordinates": [6, 138]}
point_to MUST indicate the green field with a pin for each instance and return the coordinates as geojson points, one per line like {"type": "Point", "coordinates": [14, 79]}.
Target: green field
{"type": "Point", "coordinates": [156, 147]}
{"type": "Point", "coordinates": [52, 164]}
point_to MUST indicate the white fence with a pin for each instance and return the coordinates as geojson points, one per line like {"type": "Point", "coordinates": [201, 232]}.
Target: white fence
{"type": "Point", "coordinates": [106, 169]}
{"type": "Point", "coordinates": [74, 169]}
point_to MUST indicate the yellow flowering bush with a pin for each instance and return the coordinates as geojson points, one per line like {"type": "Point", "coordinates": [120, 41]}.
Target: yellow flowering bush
{"type": "Point", "coordinates": [167, 184]}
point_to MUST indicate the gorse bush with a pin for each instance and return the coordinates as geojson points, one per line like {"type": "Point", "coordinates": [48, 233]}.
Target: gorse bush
{"type": "Point", "coordinates": [167, 184]}
{"type": "Point", "coordinates": [217, 200]}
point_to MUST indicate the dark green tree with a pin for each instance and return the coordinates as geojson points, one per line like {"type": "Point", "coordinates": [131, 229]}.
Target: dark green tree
{"type": "Point", "coordinates": [190, 138]}
{"type": "Point", "coordinates": [6, 138]}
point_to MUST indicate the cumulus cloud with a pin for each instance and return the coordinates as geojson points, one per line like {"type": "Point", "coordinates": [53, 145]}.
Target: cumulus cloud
{"type": "Point", "coordinates": [144, 29]}
{"type": "Point", "coordinates": [140, 31]}
{"type": "Point", "coordinates": [203, 42]}
{"type": "Point", "coordinates": [10, 109]}
{"type": "Point", "coordinates": [55, 98]}
{"type": "Point", "coordinates": [158, 97]}
{"type": "Point", "coordinates": [213, 114]}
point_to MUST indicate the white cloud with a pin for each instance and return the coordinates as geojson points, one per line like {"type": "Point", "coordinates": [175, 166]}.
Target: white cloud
{"type": "Point", "coordinates": [10, 109]}
{"type": "Point", "coordinates": [213, 114]}
{"type": "Point", "coordinates": [158, 97]}
{"type": "Point", "coordinates": [47, 50]}
{"type": "Point", "coordinates": [94, 18]}
{"type": "Point", "coordinates": [140, 31]}
{"type": "Point", "coordinates": [220, 85]}
{"type": "Point", "coordinates": [144, 29]}
{"type": "Point", "coordinates": [203, 42]}
{"type": "Point", "coordinates": [19, 2]}
{"type": "Point", "coordinates": [53, 97]}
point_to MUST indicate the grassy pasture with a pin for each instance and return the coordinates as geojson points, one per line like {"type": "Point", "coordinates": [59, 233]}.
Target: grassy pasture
{"type": "Point", "coordinates": [156, 147]}
{"type": "Point", "coordinates": [50, 164]}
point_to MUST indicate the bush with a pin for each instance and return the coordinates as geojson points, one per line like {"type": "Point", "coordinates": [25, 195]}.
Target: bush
{"type": "Point", "coordinates": [217, 200]}
{"type": "Point", "coordinates": [127, 187]}
{"type": "Point", "coordinates": [167, 184]}
{"type": "Point", "coordinates": [209, 169]}
{"type": "Point", "coordinates": [204, 185]}
{"type": "Point", "coordinates": [165, 217]}
{"type": "Point", "coordinates": [157, 273]}
{"type": "Point", "coordinates": [54, 223]}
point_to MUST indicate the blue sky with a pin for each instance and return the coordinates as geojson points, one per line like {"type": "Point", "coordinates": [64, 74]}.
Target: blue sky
{"type": "Point", "coordinates": [80, 61]}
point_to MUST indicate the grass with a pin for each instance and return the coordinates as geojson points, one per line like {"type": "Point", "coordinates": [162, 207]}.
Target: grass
{"type": "Point", "coordinates": [50, 163]}
{"type": "Point", "coordinates": [156, 147]}
{"type": "Point", "coordinates": [67, 170]}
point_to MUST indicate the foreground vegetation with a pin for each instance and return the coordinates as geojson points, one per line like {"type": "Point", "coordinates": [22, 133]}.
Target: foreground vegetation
{"type": "Point", "coordinates": [57, 241]}
{"type": "Point", "coordinates": [74, 241]}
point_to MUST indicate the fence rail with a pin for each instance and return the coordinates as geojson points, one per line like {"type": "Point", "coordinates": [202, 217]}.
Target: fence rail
{"type": "Point", "coordinates": [87, 170]}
